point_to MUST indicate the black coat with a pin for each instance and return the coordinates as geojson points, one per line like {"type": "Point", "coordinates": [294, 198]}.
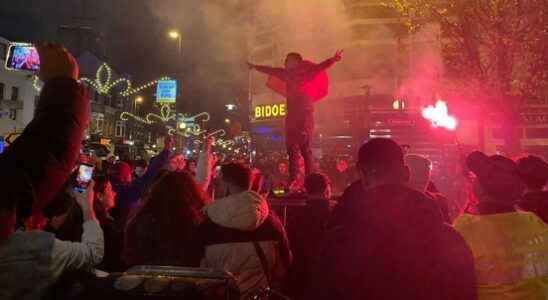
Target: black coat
{"type": "Point", "coordinates": [305, 230]}
{"type": "Point", "coordinates": [349, 204]}
{"type": "Point", "coordinates": [396, 247]}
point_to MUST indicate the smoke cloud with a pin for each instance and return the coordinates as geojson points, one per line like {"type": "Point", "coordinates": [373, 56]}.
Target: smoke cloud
{"type": "Point", "coordinates": [425, 67]}
{"type": "Point", "coordinates": [219, 36]}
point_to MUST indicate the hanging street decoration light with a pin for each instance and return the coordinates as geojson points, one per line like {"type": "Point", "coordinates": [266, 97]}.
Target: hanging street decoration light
{"type": "Point", "coordinates": [103, 83]}
{"type": "Point", "coordinates": [189, 128]}
{"type": "Point", "coordinates": [187, 125]}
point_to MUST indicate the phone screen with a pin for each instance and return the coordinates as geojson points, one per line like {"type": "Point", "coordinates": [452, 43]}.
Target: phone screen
{"type": "Point", "coordinates": [23, 57]}
{"type": "Point", "coordinates": [85, 173]}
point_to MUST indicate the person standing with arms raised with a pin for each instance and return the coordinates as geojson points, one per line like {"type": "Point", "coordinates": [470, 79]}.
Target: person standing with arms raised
{"type": "Point", "coordinates": [302, 83]}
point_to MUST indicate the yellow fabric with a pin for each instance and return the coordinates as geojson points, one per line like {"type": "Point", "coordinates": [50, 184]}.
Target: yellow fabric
{"type": "Point", "coordinates": [510, 253]}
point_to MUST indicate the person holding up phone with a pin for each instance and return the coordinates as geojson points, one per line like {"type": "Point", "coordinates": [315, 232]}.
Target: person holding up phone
{"type": "Point", "coordinates": [32, 261]}
{"type": "Point", "coordinates": [40, 161]}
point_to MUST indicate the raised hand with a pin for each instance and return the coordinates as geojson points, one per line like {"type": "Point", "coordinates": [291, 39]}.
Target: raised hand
{"type": "Point", "coordinates": [56, 62]}
{"type": "Point", "coordinates": [85, 201]}
{"type": "Point", "coordinates": [338, 55]}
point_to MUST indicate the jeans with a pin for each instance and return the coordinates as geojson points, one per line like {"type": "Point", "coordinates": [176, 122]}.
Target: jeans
{"type": "Point", "coordinates": [298, 143]}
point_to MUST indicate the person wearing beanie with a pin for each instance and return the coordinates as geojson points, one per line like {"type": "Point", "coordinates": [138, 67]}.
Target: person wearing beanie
{"type": "Point", "coordinates": [393, 244]}
{"type": "Point", "coordinates": [533, 171]}
{"type": "Point", "coordinates": [510, 247]}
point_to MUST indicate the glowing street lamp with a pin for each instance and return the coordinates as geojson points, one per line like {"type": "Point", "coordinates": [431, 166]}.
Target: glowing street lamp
{"type": "Point", "coordinates": [176, 35]}
{"type": "Point", "coordinates": [137, 100]}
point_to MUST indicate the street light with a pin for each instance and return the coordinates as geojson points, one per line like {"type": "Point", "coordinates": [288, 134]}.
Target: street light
{"type": "Point", "coordinates": [227, 121]}
{"type": "Point", "coordinates": [138, 99]}
{"type": "Point", "coordinates": [175, 35]}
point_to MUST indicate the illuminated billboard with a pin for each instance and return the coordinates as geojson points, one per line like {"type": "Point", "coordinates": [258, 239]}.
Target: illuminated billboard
{"type": "Point", "coordinates": [269, 111]}
{"type": "Point", "coordinates": [166, 91]}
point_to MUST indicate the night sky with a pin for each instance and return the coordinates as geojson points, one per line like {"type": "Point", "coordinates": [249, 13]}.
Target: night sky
{"type": "Point", "coordinates": [131, 35]}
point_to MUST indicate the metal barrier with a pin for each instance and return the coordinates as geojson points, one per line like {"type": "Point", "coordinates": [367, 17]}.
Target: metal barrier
{"type": "Point", "coordinates": [163, 282]}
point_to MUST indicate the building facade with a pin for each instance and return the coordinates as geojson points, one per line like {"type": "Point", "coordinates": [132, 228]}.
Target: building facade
{"type": "Point", "coordinates": [128, 138]}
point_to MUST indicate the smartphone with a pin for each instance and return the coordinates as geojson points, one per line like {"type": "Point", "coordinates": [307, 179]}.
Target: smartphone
{"type": "Point", "coordinates": [23, 57]}
{"type": "Point", "coordinates": [84, 176]}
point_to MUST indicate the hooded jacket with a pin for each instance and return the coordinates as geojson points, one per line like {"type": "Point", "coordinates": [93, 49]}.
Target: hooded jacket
{"type": "Point", "coordinates": [510, 254]}
{"type": "Point", "coordinates": [395, 246]}
{"type": "Point", "coordinates": [234, 222]}
{"type": "Point", "coordinates": [301, 91]}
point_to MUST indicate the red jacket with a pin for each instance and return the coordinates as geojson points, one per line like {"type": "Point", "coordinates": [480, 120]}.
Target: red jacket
{"type": "Point", "coordinates": [40, 161]}
{"type": "Point", "coordinates": [300, 97]}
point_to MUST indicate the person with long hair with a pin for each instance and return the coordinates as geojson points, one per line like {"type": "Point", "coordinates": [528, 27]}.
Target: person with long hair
{"type": "Point", "coordinates": [164, 228]}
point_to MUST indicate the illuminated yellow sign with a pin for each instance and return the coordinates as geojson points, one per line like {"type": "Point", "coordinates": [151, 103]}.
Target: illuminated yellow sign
{"type": "Point", "coordinates": [270, 111]}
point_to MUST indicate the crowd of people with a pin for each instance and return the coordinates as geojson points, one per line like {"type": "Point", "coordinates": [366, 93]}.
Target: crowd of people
{"type": "Point", "coordinates": [389, 236]}
{"type": "Point", "coordinates": [275, 169]}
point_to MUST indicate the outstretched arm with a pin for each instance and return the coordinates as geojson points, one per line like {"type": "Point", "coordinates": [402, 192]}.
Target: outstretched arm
{"type": "Point", "coordinates": [139, 185]}
{"type": "Point", "coordinates": [278, 72]}
{"type": "Point", "coordinates": [328, 62]}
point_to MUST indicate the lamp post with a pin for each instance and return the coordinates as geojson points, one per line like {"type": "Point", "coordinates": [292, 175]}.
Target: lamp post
{"type": "Point", "coordinates": [175, 35]}
{"type": "Point", "coordinates": [137, 100]}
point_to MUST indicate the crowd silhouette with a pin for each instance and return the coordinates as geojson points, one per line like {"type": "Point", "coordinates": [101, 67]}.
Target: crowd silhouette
{"type": "Point", "coordinates": [389, 235]}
